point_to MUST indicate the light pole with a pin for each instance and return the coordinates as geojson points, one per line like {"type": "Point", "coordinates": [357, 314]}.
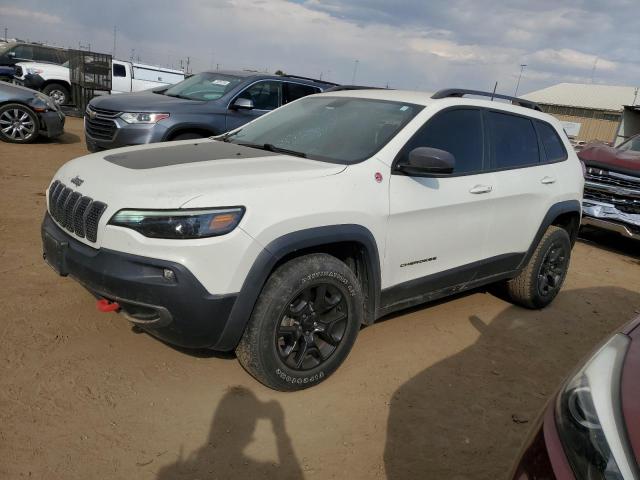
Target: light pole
{"type": "Point", "coordinates": [522, 67]}
{"type": "Point", "coordinates": [355, 70]}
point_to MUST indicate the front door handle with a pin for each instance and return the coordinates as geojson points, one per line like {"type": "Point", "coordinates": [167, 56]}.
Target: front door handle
{"type": "Point", "coordinates": [481, 189]}
{"type": "Point", "coordinates": [548, 180]}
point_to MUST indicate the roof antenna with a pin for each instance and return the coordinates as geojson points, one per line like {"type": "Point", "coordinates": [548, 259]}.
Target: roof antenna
{"type": "Point", "coordinates": [495, 87]}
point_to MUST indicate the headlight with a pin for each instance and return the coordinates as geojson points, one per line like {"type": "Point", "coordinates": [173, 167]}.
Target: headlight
{"type": "Point", "coordinates": [143, 117]}
{"type": "Point", "coordinates": [180, 224]}
{"type": "Point", "coordinates": [42, 103]}
{"type": "Point", "coordinates": [589, 417]}
{"type": "Point", "coordinates": [34, 71]}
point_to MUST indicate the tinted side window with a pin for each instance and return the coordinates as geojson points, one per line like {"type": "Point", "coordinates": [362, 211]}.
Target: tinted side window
{"type": "Point", "coordinates": [43, 54]}
{"type": "Point", "coordinates": [513, 140]}
{"type": "Point", "coordinates": [265, 95]}
{"type": "Point", "coordinates": [553, 148]}
{"type": "Point", "coordinates": [459, 132]}
{"type": "Point", "coordinates": [119, 70]}
{"type": "Point", "coordinates": [24, 52]}
{"type": "Point", "coordinates": [294, 91]}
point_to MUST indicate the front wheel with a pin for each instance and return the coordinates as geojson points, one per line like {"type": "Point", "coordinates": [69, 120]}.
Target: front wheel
{"type": "Point", "coordinates": [304, 323]}
{"type": "Point", "coordinates": [58, 93]}
{"type": "Point", "coordinates": [540, 281]}
{"type": "Point", "coordinates": [18, 123]}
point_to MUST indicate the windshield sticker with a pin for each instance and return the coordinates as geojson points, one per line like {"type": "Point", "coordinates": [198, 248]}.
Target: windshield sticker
{"type": "Point", "coordinates": [403, 108]}
{"type": "Point", "coordinates": [221, 82]}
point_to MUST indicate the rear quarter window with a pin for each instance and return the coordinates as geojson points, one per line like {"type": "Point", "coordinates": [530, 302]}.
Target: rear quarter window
{"type": "Point", "coordinates": [552, 145]}
{"type": "Point", "coordinates": [514, 142]}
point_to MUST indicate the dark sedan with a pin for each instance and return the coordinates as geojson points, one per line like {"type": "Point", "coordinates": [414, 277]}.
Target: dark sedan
{"type": "Point", "coordinates": [591, 430]}
{"type": "Point", "coordinates": [25, 114]}
{"type": "Point", "coordinates": [203, 105]}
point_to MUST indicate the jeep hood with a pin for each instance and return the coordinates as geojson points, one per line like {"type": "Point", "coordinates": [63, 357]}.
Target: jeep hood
{"type": "Point", "coordinates": [146, 101]}
{"type": "Point", "coordinates": [171, 174]}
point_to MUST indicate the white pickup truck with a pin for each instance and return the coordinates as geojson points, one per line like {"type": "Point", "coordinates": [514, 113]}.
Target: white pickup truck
{"type": "Point", "coordinates": [54, 80]}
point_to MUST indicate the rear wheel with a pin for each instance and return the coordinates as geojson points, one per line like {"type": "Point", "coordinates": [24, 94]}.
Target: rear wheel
{"type": "Point", "coordinates": [304, 323]}
{"type": "Point", "coordinates": [539, 283]}
{"type": "Point", "coordinates": [18, 124]}
{"type": "Point", "coordinates": [58, 93]}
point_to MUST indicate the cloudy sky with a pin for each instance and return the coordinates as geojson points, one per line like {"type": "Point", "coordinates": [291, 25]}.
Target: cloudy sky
{"type": "Point", "coordinates": [414, 44]}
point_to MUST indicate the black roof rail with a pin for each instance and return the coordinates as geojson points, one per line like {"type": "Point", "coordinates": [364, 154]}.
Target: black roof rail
{"type": "Point", "coordinates": [461, 92]}
{"type": "Point", "coordinates": [339, 88]}
{"type": "Point", "coordinates": [308, 78]}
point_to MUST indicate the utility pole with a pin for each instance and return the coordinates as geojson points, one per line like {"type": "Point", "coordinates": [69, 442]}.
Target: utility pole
{"type": "Point", "coordinates": [522, 67]}
{"type": "Point", "coordinates": [188, 61]}
{"type": "Point", "coordinates": [115, 30]}
{"type": "Point", "coordinates": [5, 34]}
{"type": "Point", "coordinates": [133, 51]}
{"type": "Point", "coordinates": [355, 70]}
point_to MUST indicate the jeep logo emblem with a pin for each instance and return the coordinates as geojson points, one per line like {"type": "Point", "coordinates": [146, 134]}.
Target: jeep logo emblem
{"type": "Point", "coordinates": [77, 181]}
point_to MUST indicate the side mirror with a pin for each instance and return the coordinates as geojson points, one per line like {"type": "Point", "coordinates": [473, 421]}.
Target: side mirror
{"type": "Point", "coordinates": [427, 161]}
{"type": "Point", "coordinates": [242, 104]}
{"type": "Point", "coordinates": [11, 54]}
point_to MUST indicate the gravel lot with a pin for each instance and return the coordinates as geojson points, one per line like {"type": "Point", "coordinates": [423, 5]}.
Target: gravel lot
{"type": "Point", "coordinates": [449, 390]}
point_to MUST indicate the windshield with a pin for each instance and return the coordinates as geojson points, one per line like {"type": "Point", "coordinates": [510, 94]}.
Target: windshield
{"type": "Point", "coordinates": [631, 145]}
{"type": "Point", "coordinates": [335, 129]}
{"type": "Point", "coordinates": [204, 86]}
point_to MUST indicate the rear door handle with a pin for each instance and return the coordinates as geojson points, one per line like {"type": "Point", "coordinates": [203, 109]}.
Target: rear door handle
{"type": "Point", "coordinates": [548, 180]}
{"type": "Point", "coordinates": [481, 189]}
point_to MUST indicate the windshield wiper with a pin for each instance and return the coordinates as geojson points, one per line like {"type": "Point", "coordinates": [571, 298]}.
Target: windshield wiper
{"type": "Point", "coordinates": [272, 148]}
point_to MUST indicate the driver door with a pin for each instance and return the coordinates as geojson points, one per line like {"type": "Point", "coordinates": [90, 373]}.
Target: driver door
{"type": "Point", "coordinates": [438, 225]}
{"type": "Point", "coordinates": [266, 95]}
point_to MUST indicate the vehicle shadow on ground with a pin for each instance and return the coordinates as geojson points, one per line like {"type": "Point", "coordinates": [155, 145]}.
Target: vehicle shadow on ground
{"type": "Point", "coordinates": [501, 383]}
{"type": "Point", "coordinates": [232, 430]}
{"type": "Point", "coordinates": [610, 241]}
{"type": "Point", "coordinates": [67, 138]}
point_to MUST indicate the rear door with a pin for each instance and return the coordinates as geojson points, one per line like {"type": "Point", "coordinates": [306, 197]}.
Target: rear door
{"type": "Point", "coordinates": [121, 77]}
{"type": "Point", "coordinates": [293, 91]}
{"type": "Point", "coordinates": [525, 184]}
{"type": "Point", "coordinates": [266, 96]}
{"type": "Point", "coordinates": [439, 225]}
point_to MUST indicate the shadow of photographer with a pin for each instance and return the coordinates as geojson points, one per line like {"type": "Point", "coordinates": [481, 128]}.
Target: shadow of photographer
{"type": "Point", "coordinates": [232, 431]}
{"type": "Point", "coordinates": [466, 416]}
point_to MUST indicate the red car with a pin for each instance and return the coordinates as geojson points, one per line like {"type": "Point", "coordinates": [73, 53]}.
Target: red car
{"type": "Point", "coordinates": [612, 187]}
{"type": "Point", "coordinates": [591, 431]}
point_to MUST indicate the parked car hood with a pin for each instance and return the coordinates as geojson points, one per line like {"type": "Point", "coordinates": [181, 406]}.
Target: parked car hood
{"type": "Point", "coordinates": [630, 387]}
{"type": "Point", "coordinates": [51, 68]}
{"type": "Point", "coordinates": [610, 158]}
{"type": "Point", "coordinates": [171, 174]}
{"type": "Point", "coordinates": [146, 101]}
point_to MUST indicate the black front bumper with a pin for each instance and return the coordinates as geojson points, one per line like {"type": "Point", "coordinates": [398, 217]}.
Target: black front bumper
{"type": "Point", "coordinates": [179, 310]}
{"type": "Point", "coordinates": [52, 123]}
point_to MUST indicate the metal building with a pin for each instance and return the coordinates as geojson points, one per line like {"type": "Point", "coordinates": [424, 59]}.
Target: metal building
{"type": "Point", "coordinates": [592, 112]}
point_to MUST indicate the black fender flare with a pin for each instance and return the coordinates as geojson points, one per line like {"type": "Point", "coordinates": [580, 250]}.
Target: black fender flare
{"type": "Point", "coordinates": [567, 206]}
{"type": "Point", "coordinates": [285, 245]}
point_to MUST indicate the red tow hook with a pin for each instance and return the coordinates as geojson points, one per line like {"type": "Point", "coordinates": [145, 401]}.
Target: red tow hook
{"type": "Point", "coordinates": [106, 306]}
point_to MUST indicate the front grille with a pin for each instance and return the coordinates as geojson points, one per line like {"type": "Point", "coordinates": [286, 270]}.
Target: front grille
{"type": "Point", "coordinates": [75, 213]}
{"type": "Point", "coordinates": [621, 191]}
{"type": "Point", "coordinates": [102, 126]}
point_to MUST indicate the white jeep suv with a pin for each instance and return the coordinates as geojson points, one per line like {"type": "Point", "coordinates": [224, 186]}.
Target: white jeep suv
{"type": "Point", "coordinates": [280, 239]}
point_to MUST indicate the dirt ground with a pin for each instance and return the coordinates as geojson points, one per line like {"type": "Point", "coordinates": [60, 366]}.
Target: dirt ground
{"type": "Point", "coordinates": [432, 393]}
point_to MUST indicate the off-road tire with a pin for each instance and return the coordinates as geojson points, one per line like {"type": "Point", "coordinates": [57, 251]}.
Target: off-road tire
{"type": "Point", "coordinates": [525, 289]}
{"type": "Point", "coordinates": [258, 351]}
{"type": "Point", "coordinates": [58, 93]}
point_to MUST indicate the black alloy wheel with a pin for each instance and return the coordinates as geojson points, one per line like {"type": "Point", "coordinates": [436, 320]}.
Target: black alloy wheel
{"type": "Point", "coordinates": [552, 269]}
{"type": "Point", "coordinates": [312, 326]}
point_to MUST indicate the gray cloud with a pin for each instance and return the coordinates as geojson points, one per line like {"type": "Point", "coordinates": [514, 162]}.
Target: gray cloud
{"type": "Point", "coordinates": [411, 44]}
